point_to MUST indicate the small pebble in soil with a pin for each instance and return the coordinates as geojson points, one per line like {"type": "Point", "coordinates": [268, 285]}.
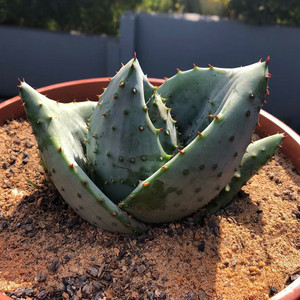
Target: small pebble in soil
{"type": "Point", "coordinates": [297, 243]}
{"type": "Point", "coordinates": [155, 275]}
{"type": "Point", "coordinates": [197, 236]}
{"type": "Point", "coordinates": [28, 227]}
{"type": "Point", "coordinates": [17, 141]}
{"type": "Point", "coordinates": [86, 290]}
{"type": "Point", "coordinates": [60, 287]}
{"type": "Point", "coordinates": [107, 277]}
{"type": "Point", "coordinates": [25, 154]}
{"type": "Point", "coordinates": [25, 160]}
{"type": "Point", "coordinates": [202, 295]}
{"type": "Point", "coordinates": [70, 290]}
{"type": "Point", "coordinates": [97, 285]}
{"type": "Point", "coordinates": [296, 213]}
{"type": "Point", "coordinates": [19, 292]}
{"type": "Point", "coordinates": [5, 165]}
{"type": "Point", "coordinates": [141, 269]}
{"type": "Point", "coordinates": [67, 257]}
{"type": "Point", "coordinates": [273, 290]}
{"type": "Point", "coordinates": [68, 280]}
{"type": "Point", "coordinates": [8, 183]}
{"type": "Point", "coordinates": [82, 279]}
{"type": "Point", "coordinates": [92, 271]}
{"type": "Point", "coordinates": [65, 296]}
{"type": "Point", "coordinates": [293, 277]}
{"type": "Point", "coordinates": [43, 294]}
{"type": "Point", "coordinates": [190, 296]}
{"type": "Point", "coordinates": [201, 246]}
{"type": "Point", "coordinates": [3, 225]}
{"type": "Point", "coordinates": [99, 296]}
{"type": "Point", "coordinates": [12, 159]}
{"type": "Point", "coordinates": [28, 292]}
{"type": "Point", "coordinates": [29, 144]}
{"type": "Point", "coordinates": [40, 277]}
{"type": "Point", "coordinates": [54, 265]}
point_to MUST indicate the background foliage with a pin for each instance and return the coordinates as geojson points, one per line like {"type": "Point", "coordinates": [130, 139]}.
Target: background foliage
{"type": "Point", "coordinates": [267, 11]}
{"type": "Point", "coordinates": [102, 16]}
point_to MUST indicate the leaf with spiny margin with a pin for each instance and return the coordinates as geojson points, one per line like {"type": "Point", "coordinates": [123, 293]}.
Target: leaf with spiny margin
{"type": "Point", "coordinates": [60, 130]}
{"type": "Point", "coordinates": [256, 156]}
{"type": "Point", "coordinates": [148, 88]}
{"type": "Point", "coordinates": [65, 121]}
{"type": "Point", "coordinates": [161, 117]}
{"type": "Point", "coordinates": [123, 145]}
{"type": "Point", "coordinates": [197, 93]}
{"type": "Point", "coordinates": [196, 175]}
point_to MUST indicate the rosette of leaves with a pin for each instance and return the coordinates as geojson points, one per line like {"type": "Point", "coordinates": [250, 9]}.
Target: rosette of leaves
{"type": "Point", "coordinates": [143, 154]}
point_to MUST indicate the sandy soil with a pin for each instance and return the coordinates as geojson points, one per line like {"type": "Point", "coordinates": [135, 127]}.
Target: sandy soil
{"type": "Point", "coordinates": [250, 250]}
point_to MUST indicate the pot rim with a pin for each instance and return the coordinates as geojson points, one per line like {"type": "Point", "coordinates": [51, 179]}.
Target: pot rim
{"type": "Point", "coordinates": [268, 125]}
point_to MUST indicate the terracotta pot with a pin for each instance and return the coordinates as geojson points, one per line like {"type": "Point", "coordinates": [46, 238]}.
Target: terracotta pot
{"type": "Point", "coordinates": [89, 88]}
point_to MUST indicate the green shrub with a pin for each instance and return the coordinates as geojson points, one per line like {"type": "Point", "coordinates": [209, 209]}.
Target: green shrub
{"type": "Point", "coordinates": [267, 11]}
{"type": "Point", "coordinates": [89, 16]}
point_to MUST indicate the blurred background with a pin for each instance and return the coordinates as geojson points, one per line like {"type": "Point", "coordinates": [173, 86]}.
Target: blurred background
{"type": "Point", "coordinates": [51, 41]}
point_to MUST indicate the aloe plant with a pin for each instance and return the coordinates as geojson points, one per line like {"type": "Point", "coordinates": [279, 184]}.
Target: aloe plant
{"type": "Point", "coordinates": [129, 159]}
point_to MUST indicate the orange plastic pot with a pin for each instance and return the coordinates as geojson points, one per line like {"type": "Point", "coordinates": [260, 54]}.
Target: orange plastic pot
{"type": "Point", "coordinates": [88, 89]}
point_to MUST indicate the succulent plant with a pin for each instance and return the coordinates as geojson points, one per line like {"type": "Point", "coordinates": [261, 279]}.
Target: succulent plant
{"type": "Point", "coordinates": [129, 159]}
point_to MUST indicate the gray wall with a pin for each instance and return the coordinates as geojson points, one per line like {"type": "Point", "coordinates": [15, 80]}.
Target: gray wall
{"type": "Point", "coordinates": [44, 57]}
{"type": "Point", "coordinates": [163, 43]}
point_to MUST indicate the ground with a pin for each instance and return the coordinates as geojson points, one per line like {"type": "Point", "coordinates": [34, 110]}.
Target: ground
{"type": "Point", "coordinates": [249, 250]}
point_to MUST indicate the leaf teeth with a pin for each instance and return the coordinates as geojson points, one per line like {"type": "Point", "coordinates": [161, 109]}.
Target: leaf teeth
{"type": "Point", "coordinates": [214, 116]}
{"type": "Point", "coordinates": [267, 60]}
{"type": "Point", "coordinates": [268, 76]}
